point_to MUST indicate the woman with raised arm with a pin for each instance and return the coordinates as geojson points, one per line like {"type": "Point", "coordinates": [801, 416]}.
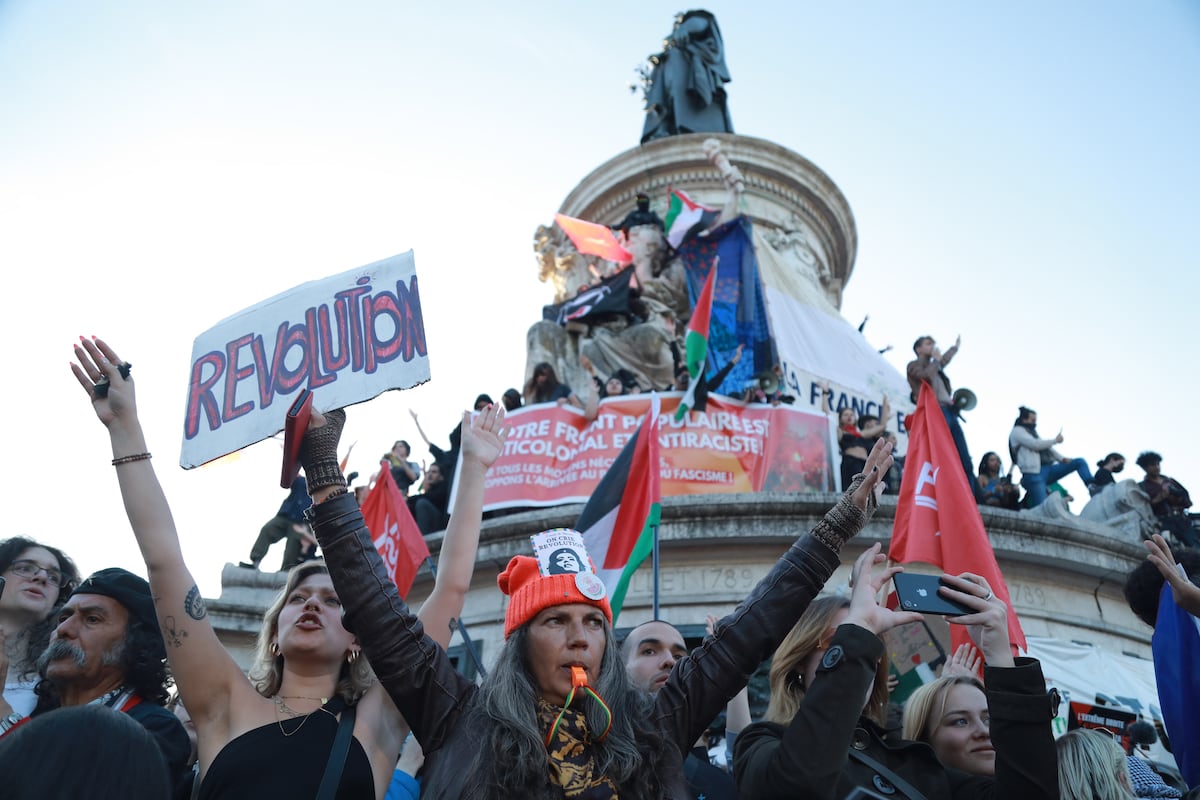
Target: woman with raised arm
{"type": "Point", "coordinates": [558, 715]}
{"type": "Point", "coordinates": [822, 736]}
{"type": "Point", "coordinates": [273, 737]}
{"type": "Point", "coordinates": [854, 438]}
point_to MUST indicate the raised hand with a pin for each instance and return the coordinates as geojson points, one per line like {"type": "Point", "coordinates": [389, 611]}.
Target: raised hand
{"type": "Point", "coordinates": [483, 437]}
{"type": "Point", "coordinates": [106, 379]}
{"type": "Point", "coordinates": [963, 664]}
{"type": "Point", "coordinates": [988, 625]}
{"type": "Point", "coordinates": [1186, 593]}
{"type": "Point", "coordinates": [865, 610]}
{"type": "Point", "coordinates": [878, 463]}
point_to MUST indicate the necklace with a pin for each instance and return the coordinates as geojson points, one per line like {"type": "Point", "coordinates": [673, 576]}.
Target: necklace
{"type": "Point", "coordinates": [283, 708]}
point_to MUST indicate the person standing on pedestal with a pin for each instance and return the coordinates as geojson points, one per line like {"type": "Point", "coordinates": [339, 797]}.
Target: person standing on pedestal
{"type": "Point", "coordinates": [929, 367]}
{"type": "Point", "coordinates": [290, 523]}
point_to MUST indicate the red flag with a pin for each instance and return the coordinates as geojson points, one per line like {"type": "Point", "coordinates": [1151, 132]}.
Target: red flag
{"type": "Point", "coordinates": [593, 239]}
{"type": "Point", "coordinates": [937, 521]}
{"type": "Point", "coordinates": [394, 531]}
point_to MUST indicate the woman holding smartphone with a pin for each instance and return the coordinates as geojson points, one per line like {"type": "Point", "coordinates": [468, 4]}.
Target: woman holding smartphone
{"type": "Point", "coordinates": [822, 736]}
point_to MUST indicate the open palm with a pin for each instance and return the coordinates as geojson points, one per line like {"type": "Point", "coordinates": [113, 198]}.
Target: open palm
{"type": "Point", "coordinates": [483, 437]}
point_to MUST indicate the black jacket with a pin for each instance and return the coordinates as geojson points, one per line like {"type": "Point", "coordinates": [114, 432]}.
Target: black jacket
{"type": "Point", "coordinates": [438, 703]}
{"type": "Point", "coordinates": [809, 759]}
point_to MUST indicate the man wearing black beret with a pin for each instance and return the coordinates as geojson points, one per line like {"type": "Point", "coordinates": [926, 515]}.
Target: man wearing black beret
{"type": "Point", "coordinates": [108, 650]}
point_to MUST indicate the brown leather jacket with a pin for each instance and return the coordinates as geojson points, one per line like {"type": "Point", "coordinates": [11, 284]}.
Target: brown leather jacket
{"type": "Point", "coordinates": [439, 703]}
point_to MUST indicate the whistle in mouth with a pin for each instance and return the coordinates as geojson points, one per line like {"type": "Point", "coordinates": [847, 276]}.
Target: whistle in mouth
{"type": "Point", "coordinates": [578, 676]}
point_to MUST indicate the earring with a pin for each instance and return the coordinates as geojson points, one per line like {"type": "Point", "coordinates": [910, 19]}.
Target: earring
{"type": "Point", "coordinates": [274, 649]}
{"type": "Point", "coordinates": [352, 656]}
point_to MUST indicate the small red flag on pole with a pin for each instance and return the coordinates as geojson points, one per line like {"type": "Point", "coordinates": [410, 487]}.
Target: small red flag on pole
{"type": "Point", "coordinates": [394, 531]}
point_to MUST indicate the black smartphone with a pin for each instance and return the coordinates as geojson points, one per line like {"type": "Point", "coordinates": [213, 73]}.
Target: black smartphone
{"type": "Point", "coordinates": [920, 593]}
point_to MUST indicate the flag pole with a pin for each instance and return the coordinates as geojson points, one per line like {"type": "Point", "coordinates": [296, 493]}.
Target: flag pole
{"type": "Point", "coordinates": [654, 566]}
{"type": "Point", "coordinates": [456, 624]}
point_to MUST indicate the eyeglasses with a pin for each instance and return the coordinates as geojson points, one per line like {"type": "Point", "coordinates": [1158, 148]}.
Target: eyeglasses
{"type": "Point", "coordinates": [30, 569]}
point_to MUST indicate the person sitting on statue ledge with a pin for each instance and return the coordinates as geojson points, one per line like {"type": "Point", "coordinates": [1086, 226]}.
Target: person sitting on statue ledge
{"type": "Point", "coordinates": [1105, 469]}
{"type": "Point", "coordinates": [543, 386]}
{"type": "Point", "coordinates": [1168, 500]}
{"type": "Point", "coordinates": [404, 472]}
{"type": "Point", "coordinates": [429, 507]}
{"type": "Point", "coordinates": [1040, 463]}
{"type": "Point", "coordinates": [511, 399]}
{"type": "Point", "coordinates": [993, 488]}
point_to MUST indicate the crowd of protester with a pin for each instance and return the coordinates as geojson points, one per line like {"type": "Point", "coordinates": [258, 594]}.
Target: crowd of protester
{"type": "Point", "coordinates": [352, 694]}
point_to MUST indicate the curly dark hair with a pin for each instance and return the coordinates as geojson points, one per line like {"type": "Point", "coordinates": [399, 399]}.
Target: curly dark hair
{"type": "Point", "coordinates": [143, 662]}
{"type": "Point", "coordinates": [37, 636]}
{"type": "Point", "coordinates": [1143, 586]}
{"type": "Point", "coordinates": [1147, 458]}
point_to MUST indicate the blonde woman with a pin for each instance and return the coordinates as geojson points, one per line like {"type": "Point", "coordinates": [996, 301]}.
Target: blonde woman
{"type": "Point", "coordinates": [1092, 766]}
{"type": "Point", "coordinates": [951, 716]}
{"type": "Point", "coordinates": [822, 736]}
{"type": "Point", "coordinates": [273, 737]}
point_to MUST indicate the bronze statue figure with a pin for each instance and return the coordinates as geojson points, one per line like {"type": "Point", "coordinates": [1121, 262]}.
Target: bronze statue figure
{"type": "Point", "coordinates": [687, 85]}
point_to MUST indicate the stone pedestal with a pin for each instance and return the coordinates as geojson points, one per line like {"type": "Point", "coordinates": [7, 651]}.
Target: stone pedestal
{"type": "Point", "coordinates": [1065, 577]}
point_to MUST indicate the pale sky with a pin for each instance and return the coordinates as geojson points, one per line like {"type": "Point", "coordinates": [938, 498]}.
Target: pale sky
{"type": "Point", "coordinates": [1024, 174]}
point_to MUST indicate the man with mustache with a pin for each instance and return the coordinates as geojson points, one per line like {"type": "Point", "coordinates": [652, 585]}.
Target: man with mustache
{"type": "Point", "coordinates": [107, 650]}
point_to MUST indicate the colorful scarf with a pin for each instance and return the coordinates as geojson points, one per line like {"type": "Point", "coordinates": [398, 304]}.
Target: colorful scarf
{"type": "Point", "coordinates": [572, 765]}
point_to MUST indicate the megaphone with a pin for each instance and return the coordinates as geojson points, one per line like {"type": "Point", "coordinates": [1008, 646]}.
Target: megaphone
{"type": "Point", "coordinates": [964, 399]}
{"type": "Point", "coordinates": [767, 381]}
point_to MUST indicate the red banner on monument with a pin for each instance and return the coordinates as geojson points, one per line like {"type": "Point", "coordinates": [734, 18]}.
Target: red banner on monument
{"type": "Point", "coordinates": [553, 456]}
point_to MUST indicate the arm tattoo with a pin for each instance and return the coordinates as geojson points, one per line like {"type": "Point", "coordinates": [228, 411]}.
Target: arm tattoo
{"type": "Point", "coordinates": [193, 604]}
{"type": "Point", "coordinates": [172, 636]}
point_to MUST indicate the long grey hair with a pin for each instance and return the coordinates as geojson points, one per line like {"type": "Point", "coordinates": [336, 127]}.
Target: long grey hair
{"type": "Point", "coordinates": [513, 761]}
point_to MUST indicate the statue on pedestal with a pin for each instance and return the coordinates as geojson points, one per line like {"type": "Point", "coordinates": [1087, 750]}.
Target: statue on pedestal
{"type": "Point", "coordinates": [686, 91]}
{"type": "Point", "coordinates": [644, 340]}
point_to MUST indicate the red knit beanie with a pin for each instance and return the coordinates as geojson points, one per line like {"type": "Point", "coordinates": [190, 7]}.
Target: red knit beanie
{"type": "Point", "coordinates": [531, 592]}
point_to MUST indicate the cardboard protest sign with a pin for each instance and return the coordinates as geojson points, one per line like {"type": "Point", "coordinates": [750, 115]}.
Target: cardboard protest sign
{"type": "Point", "coordinates": [346, 338]}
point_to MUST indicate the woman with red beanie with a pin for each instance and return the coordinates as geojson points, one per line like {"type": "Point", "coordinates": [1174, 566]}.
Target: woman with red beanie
{"type": "Point", "coordinates": [557, 715]}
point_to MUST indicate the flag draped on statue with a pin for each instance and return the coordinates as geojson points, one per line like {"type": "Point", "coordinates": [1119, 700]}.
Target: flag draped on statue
{"type": "Point", "coordinates": [695, 344]}
{"type": "Point", "coordinates": [593, 239]}
{"type": "Point", "coordinates": [610, 296]}
{"type": "Point", "coordinates": [1176, 649]}
{"type": "Point", "coordinates": [685, 217]}
{"type": "Point", "coordinates": [393, 530]}
{"type": "Point", "coordinates": [620, 520]}
{"type": "Point", "coordinates": [937, 521]}
{"type": "Point", "coordinates": [739, 314]}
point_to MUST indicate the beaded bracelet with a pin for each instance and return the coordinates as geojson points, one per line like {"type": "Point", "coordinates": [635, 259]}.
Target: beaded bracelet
{"type": "Point", "coordinates": [116, 462]}
{"type": "Point", "coordinates": [338, 492]}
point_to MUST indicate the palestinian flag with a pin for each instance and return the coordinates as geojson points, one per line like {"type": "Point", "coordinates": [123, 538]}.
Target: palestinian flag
{"type": "Point", "coordinates": [620, 521]}
{"type": "Point", "coordinates": [695, 343]}
{"type": "Point", "coordinates": [686, 217]}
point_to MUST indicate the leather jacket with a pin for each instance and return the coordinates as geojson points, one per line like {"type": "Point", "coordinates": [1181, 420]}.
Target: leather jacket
{"type": "Point", "coordinates": [810, 759]}
{"type": "Point", "coordinates": [440, 704]}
